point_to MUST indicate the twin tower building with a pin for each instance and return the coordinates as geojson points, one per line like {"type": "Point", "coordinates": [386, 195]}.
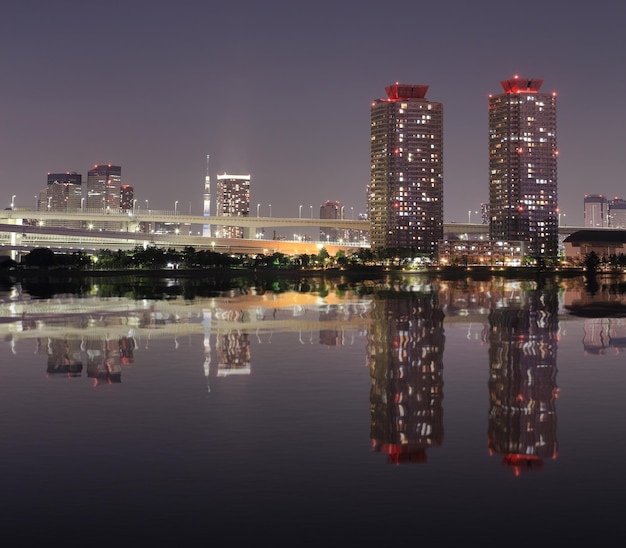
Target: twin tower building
{"type": "Point", "coordinates": [405, 194]}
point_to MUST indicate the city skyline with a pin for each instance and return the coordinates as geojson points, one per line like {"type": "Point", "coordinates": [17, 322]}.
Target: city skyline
{"type": "Point", "coordinates": [288, 101]}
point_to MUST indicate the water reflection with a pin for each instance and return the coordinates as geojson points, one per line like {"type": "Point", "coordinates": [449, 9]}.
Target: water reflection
{"type": "Point", "coordinates": [103, 358]}
{"type": "Point", "coordinates": [405, 355]}
{"type": "Point", "coordinates": [523, 339]}
{"type": "Point", "coordinates": [302, 385]}
{"type": "Point", "coordinates": [400, 323]}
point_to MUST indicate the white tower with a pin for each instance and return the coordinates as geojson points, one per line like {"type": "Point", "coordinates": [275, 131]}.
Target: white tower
{"type": "Point", "coordinates": [207, 198]}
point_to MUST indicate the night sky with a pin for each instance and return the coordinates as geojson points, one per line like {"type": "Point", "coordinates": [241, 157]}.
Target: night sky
{"type": "Point", "coordinates": [282, 90]}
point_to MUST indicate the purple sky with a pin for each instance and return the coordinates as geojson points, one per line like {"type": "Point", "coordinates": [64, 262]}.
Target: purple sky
{"type": "Point", "coordinates": [282, 90]}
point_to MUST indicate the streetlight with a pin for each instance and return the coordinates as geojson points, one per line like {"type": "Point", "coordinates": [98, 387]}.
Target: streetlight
{"type": "Point", "coordinates": [175, 207]}
{"type": "Point", "coordinates": [134, 205]}
{"type": "Point", "coordinates": [82, 204]}
{"type": "Point", "coordinates": [13, 201]}
{"type": "Point", "coordinates": [147, 208]}
{"type": "Point", "coordinates": [311, 211]}
{"type": "Point", "coordinates": [469, 216]}
{"type": "Point", "coordinates": [270, 209]}
{"type": "Point", "coordinates": [36, 204]}
{"type": "Point", "coordinates": [300, 212]}
{"type": "Point", "coordinates": [352, 213]}
{"type": "Point", "coordinates": [257, 209]}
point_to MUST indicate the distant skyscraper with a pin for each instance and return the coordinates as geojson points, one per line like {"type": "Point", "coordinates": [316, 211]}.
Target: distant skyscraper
{"type": "Point", "coordinates": [617, 213]}
{"type": "Point", "coordinates": [64, 191]}
{"type": "Point", "coordinates": [331, 210]}
{"type": "Point", "coordinates": [232, 200]}
{"type": "Point", "coordinates": [104, 183]}
{"type": "Point", "coordinates": [63, 194]}
{"type": "Point", "coordinates": [127, 198]}
{"type": "Point", "coordinates": [595, 211]}
{"type": "Point", "coordinates": [206, 231]}
{"type": "Point", "coordinates": [405, 195]}
{"type": "Point", "coordinates": [523, 167]}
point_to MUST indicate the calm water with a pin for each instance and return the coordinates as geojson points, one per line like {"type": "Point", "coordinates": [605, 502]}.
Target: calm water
{"type": "Point", "coordinates": [379, 412]}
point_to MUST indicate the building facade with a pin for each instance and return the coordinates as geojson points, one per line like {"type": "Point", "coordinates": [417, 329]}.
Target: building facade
{"type": "Point", "coordinates": [617, 213]}
{"type": "Point", "coordinates": [331, 210]}
{"type": "Point", "coordinates": [63, 193]}
{"type": "Point", "coordinates": [232, 200]}
{"type": "Point", "coordinates": [595, 211]}
{"type": "Point", "coordinates": [104, 190]}
{"type": "Point", "coordinates": [104, 183]}
{"type": "Point", "coordinates": [127, 198]}
{"type": "Point", "coordinates": [523, 192]}
{"type": "Point", "coordinates": [405, 193]}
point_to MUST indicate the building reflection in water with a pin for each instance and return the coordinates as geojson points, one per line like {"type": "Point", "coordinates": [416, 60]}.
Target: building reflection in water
{"type": "Point", "coordinates": [602, 334]}
{"type": "Point", "coordinates": [522, 337]}
{"type": "Point", "coordinates": [405, 354]}
{"type": "Point", "coordinates": [103, 357]}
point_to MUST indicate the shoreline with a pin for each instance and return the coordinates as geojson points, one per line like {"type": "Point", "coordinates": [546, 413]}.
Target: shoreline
{"type": "Point", "coordinates": [265, 273]}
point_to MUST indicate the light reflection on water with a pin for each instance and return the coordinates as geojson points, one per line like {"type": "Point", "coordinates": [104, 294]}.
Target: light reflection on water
{"type": "Point", "coordinates": [400, 410]}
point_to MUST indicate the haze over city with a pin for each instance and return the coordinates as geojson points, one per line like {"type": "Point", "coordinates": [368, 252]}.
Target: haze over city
{"type": "Point", "coordinates": [282, 91]}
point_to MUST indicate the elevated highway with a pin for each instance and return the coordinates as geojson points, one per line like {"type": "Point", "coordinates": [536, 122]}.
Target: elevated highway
{"type": "Point", "coordinates": [23, 229]}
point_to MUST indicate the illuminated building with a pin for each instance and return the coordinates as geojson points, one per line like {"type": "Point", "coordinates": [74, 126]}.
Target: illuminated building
{"type": "Point", "coordinates": [63, 193]}
{"type": "Point", "coordinates": [405, 194]}
{"type": "Point", "coordinates": [103, 187]}
{"type": "Point", "coordinates": [127, 195]}
{"type": "Point", "coordinates": [617, 213]}
{"type": "Point", "coordinates": [523, 167]}
{"type": "Point", "coordinates": [232, 200]}
{"type": "Point", "coordinates": [104, 184]}
{"type": "Point", "coordinates": [595, 211]}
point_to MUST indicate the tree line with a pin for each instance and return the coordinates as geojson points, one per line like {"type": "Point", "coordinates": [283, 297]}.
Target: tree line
{"type": "Point", "coordinates": [156, 258]}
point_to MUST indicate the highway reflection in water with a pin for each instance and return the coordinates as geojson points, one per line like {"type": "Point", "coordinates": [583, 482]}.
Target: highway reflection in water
{"type": "Point", "coordinates": [252, 415]}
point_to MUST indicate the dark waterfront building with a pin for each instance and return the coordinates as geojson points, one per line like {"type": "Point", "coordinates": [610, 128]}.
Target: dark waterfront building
{"type": "Point", "coordinates": [405, 195]}
{"type": "Point", "coordinates": [405, 354]}
{"type": "Point", "coordinates": [523, 205]}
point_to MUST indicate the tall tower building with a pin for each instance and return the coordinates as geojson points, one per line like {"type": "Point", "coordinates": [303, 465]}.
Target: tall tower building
{"type": "Point", "coordinates": [232, 200]}
{"type": "Point", "coordinates": [595, 211]}
{"type": "Point", "coordinates": [206, 229]}
{"type": "Point", "coordinates": [104, 183]}
{"type": "Point", "coordinates": [405, 194]}
{"type": "Point", "coordinates": [523, 167]}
